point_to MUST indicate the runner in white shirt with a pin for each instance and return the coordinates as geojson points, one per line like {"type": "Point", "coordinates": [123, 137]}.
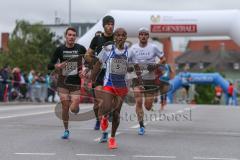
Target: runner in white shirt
{"type": "Point", "coordinates": [143, 55]}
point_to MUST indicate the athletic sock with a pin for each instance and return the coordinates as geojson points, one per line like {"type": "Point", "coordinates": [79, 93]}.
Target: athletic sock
{"type": "Point", "coordinates": [141, 124]}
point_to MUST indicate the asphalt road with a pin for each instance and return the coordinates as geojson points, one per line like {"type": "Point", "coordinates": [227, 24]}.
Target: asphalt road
{"type": "Point", "coordinates": [181, 132]}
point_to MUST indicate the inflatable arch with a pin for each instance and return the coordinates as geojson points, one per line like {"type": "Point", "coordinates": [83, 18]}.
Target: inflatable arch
{"type": "Point", "coordinates": [174, 23]}
{"type": "Point", "coordinates": [200, 78]}
{"type": "Point", "coordinates": [177, 23]}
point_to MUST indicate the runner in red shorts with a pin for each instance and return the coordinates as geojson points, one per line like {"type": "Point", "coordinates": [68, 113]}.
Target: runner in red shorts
{"type": "Point", "coordinates": [115, 88]}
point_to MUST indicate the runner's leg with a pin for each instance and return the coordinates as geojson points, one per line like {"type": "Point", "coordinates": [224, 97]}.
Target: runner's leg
{"type": "Point", "coordinates": [149, 99]}
{"type": "Point", "coordinates": [139, 109]}
{"type": "Point", "coordinates": [65, 101]}
{"type": "Point", "coordinates": [75, 101]}
{"type": "Point", "coordinates": [97, 104]}
{"type": "Point", "coordinates": [105, 99]}
{"type": "Point", "coordinates": [116, 115]}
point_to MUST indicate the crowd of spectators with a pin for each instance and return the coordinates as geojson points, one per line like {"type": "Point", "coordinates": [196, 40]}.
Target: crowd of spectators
{"type": "Point", "coordinates": [17, 85]}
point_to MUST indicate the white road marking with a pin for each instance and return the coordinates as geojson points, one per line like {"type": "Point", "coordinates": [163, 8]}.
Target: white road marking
{"type": "Point", "coordinates": [180, 111]}
{"type": "Point", "coordinates": [142, 156]}
{"type": "Point", "coordinates": [137, 125]}
{"type": "Point", "coordinates": [20, 107]}
{"type": "Point", "coordinates": [188, 109]}
{"type": "Point", "coordinates": [27, 114]}
{"type": "Point", "coordinates": [34, 113]}
{"type": "Point", "coordinates": [96, 155]}
{"type": "Point", "coordinates": [214, 158]}
{"type": "Point", "coordinates": [220, 133]}
{"type": "Point", "coordinates": [38, 106]}
{"type": "Point", "coordinates": [37, 154]}
{"type": "Point", "coordinates": [109, 135]}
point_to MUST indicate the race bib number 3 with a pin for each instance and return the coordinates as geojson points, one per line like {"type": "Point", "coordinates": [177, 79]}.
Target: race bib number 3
{"type": "Point", "coordinates": [70, 69]}
{"type": "Point", "coordinates": [118, 66]}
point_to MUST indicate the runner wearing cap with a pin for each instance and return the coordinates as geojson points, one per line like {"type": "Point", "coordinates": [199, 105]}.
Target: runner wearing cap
{"type": "Point", "coordinates": [144, 55]}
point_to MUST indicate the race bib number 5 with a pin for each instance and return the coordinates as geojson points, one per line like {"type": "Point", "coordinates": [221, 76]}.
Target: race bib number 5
{"type": "Point", "coordinates": [118, 66]}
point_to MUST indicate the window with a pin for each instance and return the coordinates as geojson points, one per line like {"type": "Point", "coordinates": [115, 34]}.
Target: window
{"type": "Point", "coordinates": [176, 66]}
{"type": "Point", "coordinates": [187, 66]}
{"type": "Point", "coordinates": [236, 66]}
{"type": "Point", "coordinates": [201, 66]}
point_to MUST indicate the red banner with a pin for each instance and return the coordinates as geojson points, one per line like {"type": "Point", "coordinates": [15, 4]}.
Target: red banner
{"type": "Point", "coordinates": [174, 28]}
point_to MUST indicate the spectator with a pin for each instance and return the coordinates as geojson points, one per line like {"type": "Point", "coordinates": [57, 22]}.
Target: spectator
{"type": "Point", "coordinates": [218, 95]}
{"type": "Point", "coordinates": [16, 78]}
{"type": "Point", "coordinates": [51, 81]}
{"type": "Point", "coordinates": [34, 86]}
{"type": "Point", "coordinates": [164, 78]}
{"type": "Point", "coordinates": [4, 74]}
{"type": "Point", "coordinates": [186, 77]}
{"type": "Point", "coordinates": [42, 87]}
{"type": "Point", "coordinates": [230, 94]}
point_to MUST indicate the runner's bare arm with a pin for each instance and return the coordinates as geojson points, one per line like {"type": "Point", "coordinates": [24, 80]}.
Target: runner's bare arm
{"type": "Point", "coordinates": [89, 55]}
{"type": "Point", "coordinates": [138, 73]}
{"type": "Point", "coordinates": [60, 65]}
{"type": "Point", "coordinates": [95, 71]}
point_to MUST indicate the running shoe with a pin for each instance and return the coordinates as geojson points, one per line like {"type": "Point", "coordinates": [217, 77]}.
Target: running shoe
{"type": "Point", "coordinates": [112, 144]}
{"type": "Point", "coordinates": [104, 123]}
{"type": "Point", "coordinates": [66, 134]}
{"type": "Point", "coordinates": [141, 131]}
{"type": "Point", "coordinates": [104, 137]}
{"type": "Point", "coordinates": [97, 125]}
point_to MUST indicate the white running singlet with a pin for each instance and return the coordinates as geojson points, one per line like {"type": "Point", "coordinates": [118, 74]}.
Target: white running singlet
{"type": "Point", "coordinates": [145, 56]}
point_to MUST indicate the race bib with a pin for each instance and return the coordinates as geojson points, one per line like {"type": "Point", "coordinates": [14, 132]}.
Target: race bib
{"type": "Point", "coordinates": [143, 67]}
{"type": "Point", "coordinates": [70, 69]}
{"type": "Point", "coordinates": [118, 66]}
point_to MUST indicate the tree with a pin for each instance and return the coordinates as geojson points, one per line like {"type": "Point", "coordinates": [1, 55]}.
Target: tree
{"type": "Point", "coordinates": [30, 46]}
{"type": "Point", "coordinates": [205, 93]}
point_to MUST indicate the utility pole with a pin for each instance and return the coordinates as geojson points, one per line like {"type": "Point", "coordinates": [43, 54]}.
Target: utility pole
{"type": "Point", "coordinates": [69, 13]}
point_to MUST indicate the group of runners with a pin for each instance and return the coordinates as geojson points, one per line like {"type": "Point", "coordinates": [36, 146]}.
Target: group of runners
{"type": "Point", "coordinates": [106, 62]}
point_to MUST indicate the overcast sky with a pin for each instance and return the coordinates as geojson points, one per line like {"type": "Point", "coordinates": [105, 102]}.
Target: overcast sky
{"type": "Point", "coordinates": [92, 10]}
